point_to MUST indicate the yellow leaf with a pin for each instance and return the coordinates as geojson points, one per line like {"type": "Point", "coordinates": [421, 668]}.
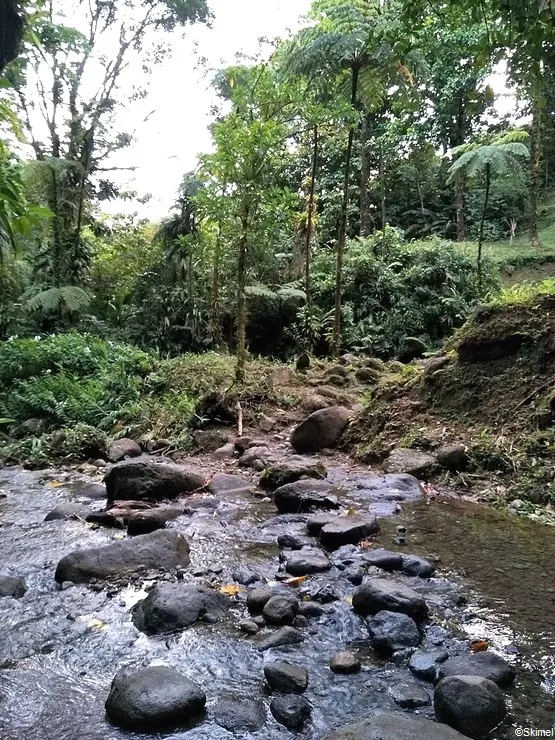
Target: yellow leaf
{"type": "Point", "coordinates": [295, 581]}
{"type": "Point", "coordinates": [479, 646]}
{"type": "Point", "coordinates": [230, 590]}
{"type": "Point", "coordinates": [96, 624]}
{"type": "Point", "coordinates": [351, 512]}
{"type": "Point", "coordinates": [55, 484]}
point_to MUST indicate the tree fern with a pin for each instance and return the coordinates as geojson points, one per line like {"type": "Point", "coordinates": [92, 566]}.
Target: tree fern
{"type": "Point", "coordinates": [68, 298]}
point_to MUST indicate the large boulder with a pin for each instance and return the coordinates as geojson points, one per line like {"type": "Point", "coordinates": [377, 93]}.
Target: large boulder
{"type": "Point", "coordinates": [378, 595]}
{"type": "Point", "coordinates": [384, 559]}
{"type": "Point", "coordinates": [453, 457]}
{"type": "Point", "coordinates": [226, 483]}
{"type": "Point", "coordinates": [175, 606]}
{"type": "Point", "coordinates": [304, 496]}
{"type": "Point", "coordinates": [146, 479]}
{"type": "Point", "coordinates": [286, 678]}
{"type": "Point", "coordinates": [414, 565]}
{"type": "Point", "coordinates": [284, 636]}
{"type": "Point", "coordinates": [122, 448]}
{"type": "Point", "coordinates": [486, 664]}
{"type": "Point", "coordinates": [306, 561]}
{"type": "Point", "coordinates": [12, 586]}
{"type": "Point", "coordinates": [424, 663]}
{"type": "Point", "coordinates": [348, 530]}
{"type": "Point", "coordinates": [279, 475]}
{"type": "Point", "coordinates": [154, 699]}
{"type": "Point", "coordinates": [321, 429]}
{"type": "Point", "coordinates": [149, 520]}
{"type": "Point", "coordinates": [280, 610]}
{"type": "Point", "coordinates": [471, 704]}
{"type": "Point", "coordinates": [390, 631]}
{"type": "Point", "coordinates": [161, 550]}
{"type": "Point", "coordinates": [240, 716]}
{"type": "Point", "coordinates": [408, 461]}
{"type": "Point", "coordinates": [290, 710]}
{"type": "Point", "coordinates": [396, 726]}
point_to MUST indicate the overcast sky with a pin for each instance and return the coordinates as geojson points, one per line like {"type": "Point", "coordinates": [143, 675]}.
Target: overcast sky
{"type": "Point", "coordinates": [168, 142]}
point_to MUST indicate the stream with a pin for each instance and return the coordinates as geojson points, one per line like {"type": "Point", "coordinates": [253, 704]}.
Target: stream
{"type": "Point", "coordinates": [60, 647]}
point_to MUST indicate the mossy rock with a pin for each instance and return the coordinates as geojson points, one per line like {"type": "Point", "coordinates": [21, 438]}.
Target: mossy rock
{"type": "Point", "coordinates": [280, 475]}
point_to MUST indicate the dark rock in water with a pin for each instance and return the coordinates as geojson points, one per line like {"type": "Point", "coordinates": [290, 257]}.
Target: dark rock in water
{"type": "Point", "coordinates": [67, 511]}
{"type": "Point", "coordinates": [306, 561]}
{"type": "Point", "coordinates": [280, 610]}
{"type": "Point", "coordinates": [161, 550]}
{"type": "Point", "coordinates": [413, 565]}
{"type": "Point", "coordinates": [384, 559]}
{"type": "Point", "coordinates": [251, 628]}
{"type": "Point", "coordinates": [240, 715]}
{"type": "Point", "coordinates": [154, 699]}
{"type": "Point", "coordinates": [290, 711]}
{"type": "Point", "coordinates": [245, 576]}
{"type": "Point", "coordinates": [315, 523]}
{"type": "Point", "coordinates": [12, 586]}
{"type": "Point", "coordinates": [209, 440]}
{"type": "Point", "coordinates": [303, 362]}
{"type": "Point", "coordinates": [122, 448]}
{"type": "Point", "coordinates": [105, 519]}
{"type": "Point", "coordinates": [144, 522]}
{"type": "Point", "coordinates": [470, 704]}
{"type": "Point", "coordinates": [348, 530]}
{"type": "Point", "coordinates": [279, 475]}
{"type": "Point", "coordinates": [94, 491]}
{"type": "Point", "coordinates": [305, 496]}
{"type": "Point", "coordinates": [485, 350]}
{"type": "Point", "coordinates": [344, 662]}
{"type": "Point", "coordinates": [258, 598]}
{"type": "Point", "coordinates": [324, 594]}
{"type": "Point", "coordinates": [354, 574]}
{"type": "Point", "coordinates": [412, 348]}
{"type": "Point", "coordinates": [146, 479]}
{"type": "Point", "coordinates": [224, 483]}
{"type": "Point", "coordinates": [408, 461]}
{"type": "Point", "coordinates": [320, 430]}
{"type": "Point", "coordinates": [423, 663]}
{"type": "Point", "coordinates": [396, 726]}
{"type": "Point", "coordinates": [175, 606]}
{"type": "Point", "coordinates": [286, 678]}
{"type": "Point", "coordinates": [452, 457]}
{"type": "Point", "coordinates": [310, 609]}
{"type": "Point", "coordinates": [409, 695]}
{"type": "Point", "coordinates": [283, 519]}
{"type": "Point", "coordinates": [284, 636]}
{"type": "Point", "coordinates": [486, 664]}
{"type": "Point", "coordinates": [380, 595]}
{"type": "Point", "coordinates": [390, 631]}
{"type": "Point", "coordinates": [293, 541]}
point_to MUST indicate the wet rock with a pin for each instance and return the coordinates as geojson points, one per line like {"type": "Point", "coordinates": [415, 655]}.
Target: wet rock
{"type": "Point", "coordinates": [161, 550]}
{"type": "Point", "coordinates": [390, 631]}
{"type": "Point", "coordinates": [105, 519]}
{"type": "Point", "coordinates": [225, 452]}
{"type": "Point", "coordinates": [305, 496]}
{"type": "Point", "coordinates": [310, 609]}
{"type": "Point", "coordinates": [122, 448]}
{"type": "Point", "coordinates": [251, 628]}
{"type": "Point", "coordinates": [395, 726]}
{"type": "Point", "coordinates": [379, 594]}
{"type": "Point", "coordinates": [286, 678]}
{"type": "Point", "coordinates": [154, 699]}
{"type": "Point", "coordinates": [283, 636]}
{"type": "Point", "coordinates": [348, 530]}
{"type": "Point", "coordinates": [413, 565]}
{"type": "Point", "coordinates": [453, 457]}
{"type": "Point", "coordinates": [471, 704]}
{"type": "Point", "coordinates": [384, 559]}
{"type": "Point", "coordinates": [12, 586]}
{"type": "Point", "coordinates": [279, 475]}
{"type": "Point", "coordinates": [93, 491]}
{"type": "Point", "coordinates": [280, 610]}
{"type": "Point", "coordinates": [306, 561]}
{"type": "Point", "coordinates": [258, 598]}
{"type": "Point", "coordinates": [354, 574]}
{"type": "Point", "coordinates": [324, 594]}
{"type": "Point", "coordinates": [66, 511]}
{"type": "Point", "coordinates": [143, 522]}
{"type": "Point", "coordinates": [208, 440]}
{"type": "Point", "coordinates": [175, 606]}
{"type": "Point", "coordinates": [321, 429]}
{"type": "Point", "coordinates": [424, 663]}
{"type": "Point", "coordinates": [250, 456]}
{"type": "Point", "coordinates": [486, 665]}
{"type": "Point", "coordinates": [240, 715]}
{"type": "Point", "coordinates": [315, 523]}
{"type": "Point", "coordinates": [146, 479]}
{"type": "Point", "coordinates": [224, 483]}
{"type": "Point", "coordinates": [283, 520]}
{"type": "Point", "coordinates": [245, 576]}
{"type": "Point", "coordinates": [290, 711]}
{"type": "Point", "coordinates": [344, 662]}
{"type": "Point", "coordinates": [409, 695]}
{"type": "Point", "coordinates": [293, 541]}
{"type": "Point", "coordinates": [407, 461]}
{"type": "Point", "coordinates": [367, 375]}
{"type": "Point", "coordinates": [411, 349]}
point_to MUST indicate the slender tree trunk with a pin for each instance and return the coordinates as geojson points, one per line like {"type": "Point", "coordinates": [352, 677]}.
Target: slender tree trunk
{"type": "Point", "coordinates": [382, 188]}
{"type": "Point", "coordinates": [535, 167]}
{"type": "Point", "coordinates": [482, 222]}
{"type": "Point", "coordinates": [365, 172]}
{"type": "Point", "coordinates": [309, 225]}
{"type": "Point", "coordinates": [459, 209]}
{"type": "Point", "coordinates": [216, 307]}
{"type": "Point", "coordinates": [241, 297]}
{"type": "Point", "coordinates": [343, 223]}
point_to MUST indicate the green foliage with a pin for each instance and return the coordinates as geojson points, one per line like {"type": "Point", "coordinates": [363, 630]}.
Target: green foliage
{"type": "Point", "coordinates": [523, 293]}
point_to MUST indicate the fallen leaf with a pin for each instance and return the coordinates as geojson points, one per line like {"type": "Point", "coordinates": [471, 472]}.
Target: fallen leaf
{"type": "Point", "coordinates": [96, 624]}
{"type": "Point", "coordinates": [366, 544]}
{"type": "Point", "coordinates": [230, 589]}
{"type": "Point", "coordinates": [351, 512]}
{"type": "Point", "coordinates": [295, 581]}
{"type": "Point", "coordinates": [479, 646]}
{"type": "Point", "coordinates": [55, 484]}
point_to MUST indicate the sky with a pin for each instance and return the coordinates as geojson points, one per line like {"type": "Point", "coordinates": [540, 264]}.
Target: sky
{"type": "Point", "coordinates": [178, 105]}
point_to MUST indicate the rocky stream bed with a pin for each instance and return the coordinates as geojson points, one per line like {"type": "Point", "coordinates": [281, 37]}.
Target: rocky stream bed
{"type": "Point", "coordinates": [236, 640]}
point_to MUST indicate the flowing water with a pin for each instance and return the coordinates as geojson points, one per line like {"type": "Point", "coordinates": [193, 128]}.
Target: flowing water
{"type": "Point", "coordinates": [60, 647]}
